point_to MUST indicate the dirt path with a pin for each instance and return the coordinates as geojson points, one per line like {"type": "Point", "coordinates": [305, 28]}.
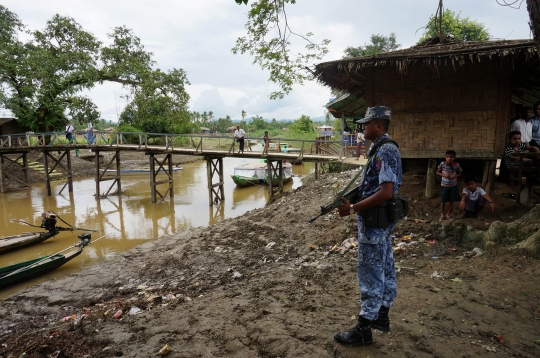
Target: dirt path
{"type": "Point", "coordinates": [269, 284]}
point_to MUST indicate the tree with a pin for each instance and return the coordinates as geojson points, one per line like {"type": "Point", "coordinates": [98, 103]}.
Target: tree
{"type": "Point", "coordinates": [303, 125]}
{"type": "Point", "coordinates": [461, 29]}
{"type": "Point", "coordinates": [42, 76]}
{"type": "Point", "coordinates": [379, 44]}
{"type": "Point", "coordinates": [258, 123]}
{"type": "Point", "coordinates": [272, 52]}
{"type": "Point", "coordinates": [243, 114]}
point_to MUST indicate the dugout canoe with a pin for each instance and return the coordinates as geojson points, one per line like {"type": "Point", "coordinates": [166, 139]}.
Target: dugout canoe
{"type": "Point", "coordinates": [15, 242]}
{"type": "Point", "coordinates": [26, 270]}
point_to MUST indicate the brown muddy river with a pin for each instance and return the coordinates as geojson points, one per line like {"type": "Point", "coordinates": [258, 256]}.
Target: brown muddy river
{"type": "Point", "coordinates": [129, 219]}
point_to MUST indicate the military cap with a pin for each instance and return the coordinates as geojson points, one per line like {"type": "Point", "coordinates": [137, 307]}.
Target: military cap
{"type": "Point", "coordinates": [377, 112]}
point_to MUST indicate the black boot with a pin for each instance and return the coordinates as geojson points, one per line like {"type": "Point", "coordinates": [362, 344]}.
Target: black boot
{"type": "Point", "coordinates": [382, 322]}
{"type": "Point", "coordinates": [359, 335]}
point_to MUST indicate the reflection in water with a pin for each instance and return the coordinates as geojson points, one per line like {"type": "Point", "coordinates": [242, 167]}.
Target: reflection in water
{"type": "Point", "coordinates": [131, 218]}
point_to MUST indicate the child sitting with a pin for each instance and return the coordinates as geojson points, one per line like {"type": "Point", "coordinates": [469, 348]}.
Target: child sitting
{"type": "Point", "coordinates": [473, 200]}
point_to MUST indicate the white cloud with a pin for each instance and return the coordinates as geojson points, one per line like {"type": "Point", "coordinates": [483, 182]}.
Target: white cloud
{"type": "Point", "coordinates": [197, 36]}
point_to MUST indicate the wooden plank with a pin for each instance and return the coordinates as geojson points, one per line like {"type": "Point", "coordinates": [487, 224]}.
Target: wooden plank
{"type": "Point", "coordinates": [431, 183]}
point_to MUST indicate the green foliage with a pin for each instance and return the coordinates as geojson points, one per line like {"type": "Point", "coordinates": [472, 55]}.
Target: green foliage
{"type": "Point", "coordinates": [379, 44]}
{"type": "Point", "coordinates": [462, 29]}
{"type": "Point", "coordinates": [258, 123]}
{"type": "Point", "coordinates": [303, 125]}
{"type": "Point", "coordinates": [41, 77]}
{"type": "Point", "coordinates": [268, 40]}
{"type": "Point", "coordinates": [223, 123]}
{"type": "Point", "coordinates": [130, 138]}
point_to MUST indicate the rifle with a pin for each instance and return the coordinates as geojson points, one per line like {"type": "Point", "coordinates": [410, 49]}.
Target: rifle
{"type": "Point", "coordinates": [352, 196]}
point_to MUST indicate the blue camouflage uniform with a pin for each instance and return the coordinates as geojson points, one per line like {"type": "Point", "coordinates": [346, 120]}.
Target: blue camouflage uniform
{"type": "Point", "coordinates": [375, 267]}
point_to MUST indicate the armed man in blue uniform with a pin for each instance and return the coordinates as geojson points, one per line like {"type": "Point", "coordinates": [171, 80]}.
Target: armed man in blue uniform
{"type": "Point", "coordinates": [376, 273]}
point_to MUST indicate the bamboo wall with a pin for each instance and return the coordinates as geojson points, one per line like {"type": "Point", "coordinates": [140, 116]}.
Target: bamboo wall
{"type": "Point", "coordinates": [432, 111]}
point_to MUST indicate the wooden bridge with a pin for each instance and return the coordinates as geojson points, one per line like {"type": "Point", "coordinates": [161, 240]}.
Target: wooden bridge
{"type": "Point", "coordinates": [213, 148]}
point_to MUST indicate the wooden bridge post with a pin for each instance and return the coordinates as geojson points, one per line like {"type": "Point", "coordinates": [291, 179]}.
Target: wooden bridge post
{"type": "Point", "coordinates": [274, 171]}
{"type": "Point", "coordinates": [101, 176]}
{"type": "Point", "coordinates": [4, 176]}
{"type": "Point", "coordinates": [2, 183]}
{"type": "Point", "coordinates": [215, 166]}
{"type": "Point", "coordinates": [46, 172]}
{"type": "Point", "coordinates": [154, 173]}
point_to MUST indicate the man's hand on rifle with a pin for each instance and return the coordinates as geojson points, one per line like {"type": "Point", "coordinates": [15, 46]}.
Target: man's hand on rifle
{"type": "Point", "coordinates": [345, 208]}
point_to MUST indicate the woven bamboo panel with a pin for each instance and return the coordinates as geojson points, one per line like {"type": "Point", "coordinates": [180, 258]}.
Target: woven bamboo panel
{"type": "Point", "coordinates": [443, 131]}
{"type": "Point", "coordinates": [440, 110]}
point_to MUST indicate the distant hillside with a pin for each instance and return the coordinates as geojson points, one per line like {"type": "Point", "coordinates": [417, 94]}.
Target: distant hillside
{"type": "Point", "coordinates": [314, 119]}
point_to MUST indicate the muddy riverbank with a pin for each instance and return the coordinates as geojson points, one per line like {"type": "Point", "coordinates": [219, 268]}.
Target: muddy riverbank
{"type": "Point", "coordinates": [269, 284]}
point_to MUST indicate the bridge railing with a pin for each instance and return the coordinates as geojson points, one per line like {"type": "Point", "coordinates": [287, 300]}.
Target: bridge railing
{"type": "Point", "coordinates": [324, 146]}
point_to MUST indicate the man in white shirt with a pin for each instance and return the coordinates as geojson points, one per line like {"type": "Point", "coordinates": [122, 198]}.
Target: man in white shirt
{"type": "Point", "coordinates": [69, 132]}
{"type": "Point", "coordinates": [239, 136]}
{"type": "Point", "coordinates": [524, 125]}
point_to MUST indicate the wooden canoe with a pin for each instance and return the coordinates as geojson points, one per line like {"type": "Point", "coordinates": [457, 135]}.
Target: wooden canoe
{"type": "Point", "coordinates": [23, 271]}
{"type": "Point", "coordinates": [10, 243]}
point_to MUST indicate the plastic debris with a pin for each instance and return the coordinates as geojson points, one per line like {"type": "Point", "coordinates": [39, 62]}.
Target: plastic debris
{"type": "Point", "coordinates": [118, 314]}
{"type": "Point", "coordinates": [478, 251]}
{"type": "Point", "coordinates": [236, 274]}
{"type": "Point", "coordinates": [499, 338]}
{"type": "Point", "coordinates": [134, 310]}
{"type": "Point", "coordinates": [68, 318]}
{"type": "Point", "coordinates": [457, 279]}
{"type": "Point", "coordinates": [218, 249]}
{"type": "Point", "coordinates": [270, 244]}
{"type": "Point", "coordinates": [164, 351]}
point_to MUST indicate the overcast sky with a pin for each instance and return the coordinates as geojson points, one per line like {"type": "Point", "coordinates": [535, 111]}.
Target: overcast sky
{"type": "Point", "coordinates": [197, 36]}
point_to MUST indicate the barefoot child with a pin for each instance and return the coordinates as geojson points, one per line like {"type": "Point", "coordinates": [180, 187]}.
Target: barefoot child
{"type": "Point", "coordinates": [449, 171]}
{"type": "Point", "coordinates": [473, 200]}
{"type": "Point", "coordinates": [266, 140]}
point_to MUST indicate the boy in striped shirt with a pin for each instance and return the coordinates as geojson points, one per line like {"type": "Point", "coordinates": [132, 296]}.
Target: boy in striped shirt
{"type": "Point", "coordinates": [449, 171]}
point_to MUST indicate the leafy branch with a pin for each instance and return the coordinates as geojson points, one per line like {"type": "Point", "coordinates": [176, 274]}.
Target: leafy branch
{"type": "Point", "coordinates": [268, 40]}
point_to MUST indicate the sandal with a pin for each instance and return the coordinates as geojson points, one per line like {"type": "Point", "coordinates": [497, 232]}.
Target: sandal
{"type": "Point", "coordinates": [448, 217]}
{"type": "Point", "coordinates": [480, 217]}
{"type": "Point", "coordinates": [441, 219]}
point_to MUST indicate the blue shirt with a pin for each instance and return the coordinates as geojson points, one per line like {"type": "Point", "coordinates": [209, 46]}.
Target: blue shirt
{"type": "Point", "coordinates": [384, 167]}
{"type": "Point", "coordinates": [536, 129]}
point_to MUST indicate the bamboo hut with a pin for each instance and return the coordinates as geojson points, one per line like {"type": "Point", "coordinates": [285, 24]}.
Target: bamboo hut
{"type": "Point", "coordinates": [449, 95]}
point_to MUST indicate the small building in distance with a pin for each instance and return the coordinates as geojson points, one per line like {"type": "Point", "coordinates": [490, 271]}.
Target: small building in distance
{"type": "Point", "coordinates": [449, 95]}
{"type": "Point", "coordinates": [11, 126]}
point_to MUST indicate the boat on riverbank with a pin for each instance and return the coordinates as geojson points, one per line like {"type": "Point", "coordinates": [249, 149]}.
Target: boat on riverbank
{"type": "Point", "coordinates": [138, 171]}
{"type": "Point", "coordinates": [14, 242]}
{"type": "Point", "coordinates": [26, 270]}
{"type": "Point", "coordinates": [257, 173]}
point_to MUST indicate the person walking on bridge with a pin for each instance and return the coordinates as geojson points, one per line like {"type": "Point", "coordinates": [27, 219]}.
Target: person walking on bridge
{"type": "Point", "coordinates": [375, 265]}
{"type": "Point", "coordinates": [239, 136]}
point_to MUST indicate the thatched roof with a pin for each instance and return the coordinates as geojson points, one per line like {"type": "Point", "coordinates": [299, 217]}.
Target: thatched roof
{"type": "Point", "coordinates": [5, 120]}
{"type": "Point", "coordinates": [348, 75]}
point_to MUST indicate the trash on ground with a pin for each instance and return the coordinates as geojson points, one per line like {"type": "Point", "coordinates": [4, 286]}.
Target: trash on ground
{"type": "Point", "coordinates": [478, 251]}
{"type": "Point", "coordinates": [270, 244]}
{"type": "Point", "coordinates": [164, 351]}
{"type": "Point", "coordinates": [457, 279]}
{"type": "Point", "coordinates": [118, 314]}
{"type": "Point", "coordinates": [218, 249]}
{"type": "Point", "coordinates": [134, 310]}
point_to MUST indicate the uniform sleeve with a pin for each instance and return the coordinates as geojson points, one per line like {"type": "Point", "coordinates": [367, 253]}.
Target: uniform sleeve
{"type": "Point", "coordinates": [481, 191]}
{"type": "Point", "coordinates": [387, 163]}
